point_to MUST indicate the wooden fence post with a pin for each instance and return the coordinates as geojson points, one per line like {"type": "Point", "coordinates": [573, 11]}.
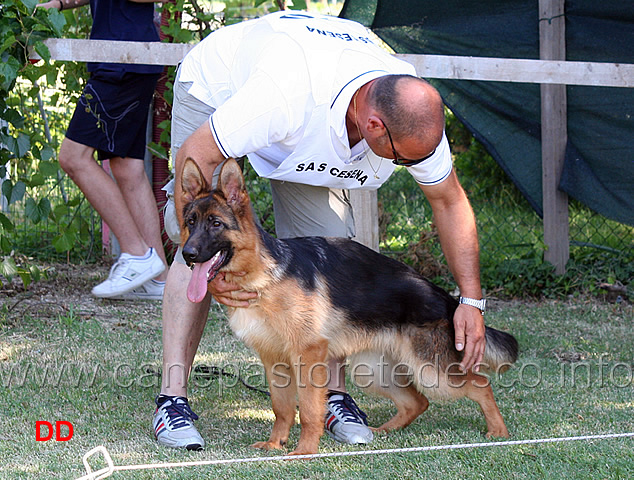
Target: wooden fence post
{"type": "Point", "coordinates": [552, 46]}
{"type": "Point", "coordinates": [366, 217]}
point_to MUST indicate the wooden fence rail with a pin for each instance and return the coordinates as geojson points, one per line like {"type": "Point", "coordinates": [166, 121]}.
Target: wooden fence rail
{"type": "Point", "coordinates": [427, 66]}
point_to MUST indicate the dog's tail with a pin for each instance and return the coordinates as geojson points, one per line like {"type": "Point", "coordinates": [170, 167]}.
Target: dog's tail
{"type": "Point", "coordinates": [501, 351]}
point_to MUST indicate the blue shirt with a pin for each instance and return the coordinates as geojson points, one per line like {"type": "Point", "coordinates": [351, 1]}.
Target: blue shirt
{"type": "Point", "coordinates": [123, 20]}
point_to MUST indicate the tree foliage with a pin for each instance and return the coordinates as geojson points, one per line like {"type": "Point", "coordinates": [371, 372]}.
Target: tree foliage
{"type": "Point", "coordinates": [27, 154]}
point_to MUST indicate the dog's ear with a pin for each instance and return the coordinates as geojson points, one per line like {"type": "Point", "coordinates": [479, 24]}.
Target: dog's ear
{"type": "Point", "coordinates": [193, 182]}
{"type": "Point", "coordinates": [231, 183]}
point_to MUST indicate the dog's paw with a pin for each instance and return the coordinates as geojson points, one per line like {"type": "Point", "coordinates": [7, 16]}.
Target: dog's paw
{"type": "Point", "coordinates": [303, 452]}
{"type": "Point", "coordinates": [269, 445]}
{"type": "Point", "coordinates": [498, 433]}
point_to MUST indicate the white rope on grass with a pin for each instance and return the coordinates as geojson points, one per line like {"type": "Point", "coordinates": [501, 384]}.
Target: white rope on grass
{"type": "Point", "coordinates": [111, 468]}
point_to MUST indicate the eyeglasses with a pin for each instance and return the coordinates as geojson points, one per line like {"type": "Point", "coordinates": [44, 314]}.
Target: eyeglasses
{"type": "Point", "coordinates": [401, 161]}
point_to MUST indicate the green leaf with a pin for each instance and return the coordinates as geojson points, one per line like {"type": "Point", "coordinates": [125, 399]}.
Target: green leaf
{"type": "Point", "coordinates": [298, 5]}
{"type": "Point", "coordinates": [13, 192]}
{"type": "Point", "coordinates": [43, 51]}
{"type": "Point", "coordinates": [5, 244]}
{"type": "Point", "coordinates": [35, 151]}
{"type": "Point", "coordinates": [157, 150]}
{"type": "Point", "coordinates": [23, 144]}
{"type": "Point", "coordinates": [51, 77]}
{"type": "Point", "coordinates": [13, 117]}
{"type": "Point", "coordinates": [58, 21]}
{"type": "Point", "coordinates": [75, 201]}
{"type": "Point", "coordinates": [64, 242]}
{"type": "Point", "coordinates": [26, 278]}
{"type": "Point", "coordinates": [60, 210]}
{"type": "Point", "coordinates": [8, 267]}
{"type": "Point", "coordinates": [9, 72]}
{"type": "Point", "coordinates": [9, 41]}
{"type": "Point", "coordinates": [6, 223]}
{"type": "Point", "coordinates": [36, 273]}
{"type": "Point", "coordinates": [36, 180]}
{"type": "Point", "coordinates": [18, 146]}
{"type": "Point", "coordinates": [30, 5]}
{"type": "Point", "coordinates": [37, 211]}
{"type": "Point", "coordinates": [48, 169]}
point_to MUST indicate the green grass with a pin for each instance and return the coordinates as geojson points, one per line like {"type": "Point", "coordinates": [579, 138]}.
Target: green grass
{"type": "Point", "coordinates": [96, 363]}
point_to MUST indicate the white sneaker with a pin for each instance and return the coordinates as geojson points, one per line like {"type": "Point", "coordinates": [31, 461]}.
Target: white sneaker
{"type": "Point", "coordinates": [152, 290]}
{"type": "Point", "coordinates": [173, 424]}
{"type": "Point", "coordinates": [128, 273]}
{"type": "Point", "coordinates": [345, 422]}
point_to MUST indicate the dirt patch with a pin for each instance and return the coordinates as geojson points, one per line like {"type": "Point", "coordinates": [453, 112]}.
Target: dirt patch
{"type": "Point", "coordinates": [64, 293]}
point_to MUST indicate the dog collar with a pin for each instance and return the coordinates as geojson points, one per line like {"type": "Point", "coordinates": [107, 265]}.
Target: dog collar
{"type": "Point", "coordinates": [479, 304]}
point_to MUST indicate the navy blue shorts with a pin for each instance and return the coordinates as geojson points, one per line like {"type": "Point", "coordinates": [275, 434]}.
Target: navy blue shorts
{"type": "Point", "coordinates": [112, 112]}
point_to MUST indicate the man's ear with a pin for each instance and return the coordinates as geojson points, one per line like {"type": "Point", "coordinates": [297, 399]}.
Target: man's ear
{"type": "Point", "coordinates": [375, 125]}
{"type": "Point", "coordinates": [193, 182]}
{"type": "Point", "coordinates": [231, 183]}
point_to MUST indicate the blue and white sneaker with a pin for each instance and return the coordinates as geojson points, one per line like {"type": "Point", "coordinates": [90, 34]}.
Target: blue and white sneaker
{"type": "Point", "coordinates": [173, 424]}
{"type": "Point", "coordinates": [345, 422]}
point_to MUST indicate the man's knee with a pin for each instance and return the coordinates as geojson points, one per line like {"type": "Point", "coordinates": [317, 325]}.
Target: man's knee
{"type": "Point", "coordinates": [66, 158]}
{"type": "Point", "coordinates": [128, 171]}
{"type": "Point", "coordinates": [72, 155]}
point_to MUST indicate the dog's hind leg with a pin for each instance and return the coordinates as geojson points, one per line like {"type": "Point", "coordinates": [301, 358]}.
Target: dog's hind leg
{"type": "Point", "coordinates": [380, 374]}
{"type": "Point", "coordinates": [478, 388]}
{"type": "Point", "coordinates": [281, 378]}
{"type": "Point", "coordinates": [409, 403]}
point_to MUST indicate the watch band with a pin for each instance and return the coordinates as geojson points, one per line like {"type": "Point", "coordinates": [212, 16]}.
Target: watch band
{"type": "Point", "coordinates": [479, 304]}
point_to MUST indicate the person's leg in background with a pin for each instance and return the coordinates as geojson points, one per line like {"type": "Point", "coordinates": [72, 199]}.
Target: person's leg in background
{"type": "Point", "coordinates": [111, 117]}
{"type": "Point", "coordinates": [138, 195]}
{"type": "Point", "coordinates": [104, 195]}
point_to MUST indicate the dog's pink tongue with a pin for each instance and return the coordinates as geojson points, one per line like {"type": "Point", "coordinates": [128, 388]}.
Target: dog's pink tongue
{"type": "Point", "coordinates": [197, 288]}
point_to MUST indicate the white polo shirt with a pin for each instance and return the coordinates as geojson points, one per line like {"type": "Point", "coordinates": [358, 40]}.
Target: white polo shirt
{"type": "Point", "coordinates": [281, 86]}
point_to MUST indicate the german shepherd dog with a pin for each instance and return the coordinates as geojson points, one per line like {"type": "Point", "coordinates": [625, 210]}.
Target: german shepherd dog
{"type": "Point", "coordinates": [321, 298]}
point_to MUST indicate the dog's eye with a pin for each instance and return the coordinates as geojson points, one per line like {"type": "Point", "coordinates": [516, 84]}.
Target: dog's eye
{"type": "Point", "coordinates": [191, 221]}
{"type": "Point", "coordinates": [214, 222]}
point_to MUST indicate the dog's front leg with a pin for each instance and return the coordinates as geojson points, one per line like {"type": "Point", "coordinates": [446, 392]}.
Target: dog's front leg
{"type": "Point", "coordinates": [312, 375]}
{"type": "Point", "coordinates": [281, 378]}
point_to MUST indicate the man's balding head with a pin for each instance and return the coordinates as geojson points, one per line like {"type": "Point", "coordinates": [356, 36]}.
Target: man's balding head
{"type": "Point", "coordinates": [410, 107]}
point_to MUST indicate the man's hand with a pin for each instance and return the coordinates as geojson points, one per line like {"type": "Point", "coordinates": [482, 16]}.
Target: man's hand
{"type": "Point", "coordinates": [229, 293]}
{"type": "Point", "coordinates": [52, 4]}
{"type": "Point", "coordinates": [469, 326]}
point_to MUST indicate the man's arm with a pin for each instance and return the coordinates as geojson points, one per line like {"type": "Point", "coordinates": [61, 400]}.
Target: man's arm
{"type": "Point", "coordinates": [455, 221]}
{"type": "Point", "coordinates": [68, 4]}
{"type": "Point", "coordinates": [63, 4]}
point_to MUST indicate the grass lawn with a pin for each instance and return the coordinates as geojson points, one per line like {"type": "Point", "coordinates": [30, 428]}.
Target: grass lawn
{"type": "Point", "coordinates": [96, 364]}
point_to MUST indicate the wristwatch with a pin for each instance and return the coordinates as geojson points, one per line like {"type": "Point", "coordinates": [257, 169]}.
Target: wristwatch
{"type": "Point", "coordinates": [479, 304]}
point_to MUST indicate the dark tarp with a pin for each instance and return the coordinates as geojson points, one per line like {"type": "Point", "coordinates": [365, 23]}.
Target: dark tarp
{"type": "Point", "coordinates": [505, 117]}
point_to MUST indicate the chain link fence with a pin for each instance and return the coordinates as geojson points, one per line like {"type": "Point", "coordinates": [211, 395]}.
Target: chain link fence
{"type": "Point", "coordinates": [70, 214]}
